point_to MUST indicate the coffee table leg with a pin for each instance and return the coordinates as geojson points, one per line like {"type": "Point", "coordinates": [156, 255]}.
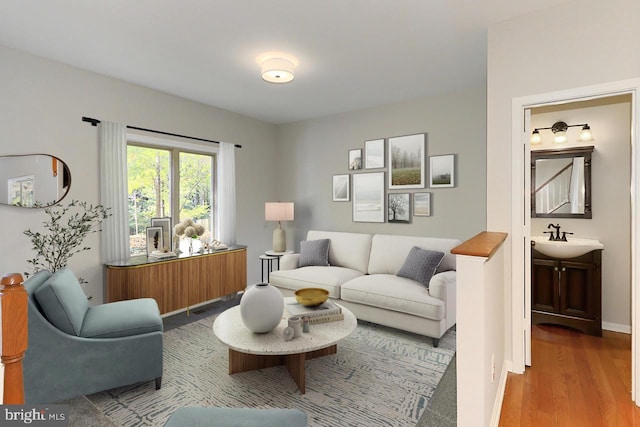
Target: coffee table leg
{"type": "Point", "coordinates": [243, 362]}
{"type": "Point", "coordinates": [295, 366]}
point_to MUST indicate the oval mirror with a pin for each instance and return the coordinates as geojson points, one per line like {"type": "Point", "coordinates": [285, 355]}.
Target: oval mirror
{"type": "Point", "coordinates": [33, 180]}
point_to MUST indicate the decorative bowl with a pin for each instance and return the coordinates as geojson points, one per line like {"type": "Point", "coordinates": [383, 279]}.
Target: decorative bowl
{"type": "Point", "coordinates": [311, 297]}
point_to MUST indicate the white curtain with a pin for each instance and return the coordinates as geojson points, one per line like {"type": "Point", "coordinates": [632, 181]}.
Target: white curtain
{"type": "Point", "coordinates": [226, 215]}
{"type": "Point", "coordinates": [112, 138]}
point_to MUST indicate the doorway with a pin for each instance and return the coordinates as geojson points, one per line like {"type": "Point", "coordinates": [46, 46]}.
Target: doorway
{"type": "Point", "coordinates": [609, 208]}
{"type": "Point", "coordinates": [521, 220]}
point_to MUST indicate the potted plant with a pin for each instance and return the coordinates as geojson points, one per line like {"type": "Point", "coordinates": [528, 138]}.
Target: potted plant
{"type": "Point", "coordinates": [65, 230]}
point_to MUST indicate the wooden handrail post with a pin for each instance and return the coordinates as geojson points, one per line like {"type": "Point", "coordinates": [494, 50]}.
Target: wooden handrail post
{"type": "Point", "coordinates": [13, 298]}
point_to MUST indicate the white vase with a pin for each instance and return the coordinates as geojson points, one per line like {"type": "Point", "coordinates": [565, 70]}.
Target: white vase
{"type": "Point", "coordinates": [261, 308]}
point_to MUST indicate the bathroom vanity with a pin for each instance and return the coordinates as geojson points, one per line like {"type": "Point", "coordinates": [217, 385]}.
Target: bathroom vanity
{"type": "Point", "coordinates": [567, 291]}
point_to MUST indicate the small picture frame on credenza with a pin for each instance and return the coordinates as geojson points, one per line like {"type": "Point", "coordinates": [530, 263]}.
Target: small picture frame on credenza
{"type": "Point", "coordinates": [155, 241]}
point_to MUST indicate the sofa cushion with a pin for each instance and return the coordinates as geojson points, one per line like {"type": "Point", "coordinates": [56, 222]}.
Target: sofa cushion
{"type": "Point", "coordinates": [63, 301]}
{"type": "Point", "coordinates": [122, 319]}
{"type": "Point", "coordinates": [420, 265]}
{"type": "Point", "coordinates": [314, 252]}
{"type": "Point", "coordinates": [35, 280]}
{"type": "Point", "coordinates": [329, 278]}
{"type": "Point", "coordinates": [350, 250]}
{"type": "Point", "coordinates": [394, 293]}
{"type": "Point", "coordinates": [389, 252]}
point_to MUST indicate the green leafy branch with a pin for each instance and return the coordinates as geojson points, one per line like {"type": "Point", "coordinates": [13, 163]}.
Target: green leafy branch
{"type": "Point", "coordinates": [66, 229]}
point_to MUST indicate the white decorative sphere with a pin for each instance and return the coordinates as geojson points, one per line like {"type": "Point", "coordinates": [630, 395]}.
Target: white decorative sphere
{"type": "Point", "coordinates": [261, 308]}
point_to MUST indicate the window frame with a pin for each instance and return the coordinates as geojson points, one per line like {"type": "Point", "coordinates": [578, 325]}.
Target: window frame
{"type": "Point", "coordinates": [175, 147]}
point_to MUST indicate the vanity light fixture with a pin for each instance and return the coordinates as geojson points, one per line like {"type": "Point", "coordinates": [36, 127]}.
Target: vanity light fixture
{"type": "Point", "coordinates": [277, 70]}
{"type": "Point", "coordinates": [559, 130]}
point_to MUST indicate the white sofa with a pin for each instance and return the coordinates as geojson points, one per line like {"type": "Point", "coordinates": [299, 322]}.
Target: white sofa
{"type": "Point", "coordinates": [362, 277]}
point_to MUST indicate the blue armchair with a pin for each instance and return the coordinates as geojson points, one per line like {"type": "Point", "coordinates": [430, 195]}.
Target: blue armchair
{"type": "Point", "coordinates": [75, 349]}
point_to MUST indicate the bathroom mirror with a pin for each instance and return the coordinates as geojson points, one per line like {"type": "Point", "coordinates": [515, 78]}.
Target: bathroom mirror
{"type": "Point", "coordinates": [33, 180]}
{"type": "Point", "coordinates": [561, 183]}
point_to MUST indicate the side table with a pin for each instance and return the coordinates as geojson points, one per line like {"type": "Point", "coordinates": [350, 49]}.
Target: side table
{"type": "Point", "coordinates": [268, 258]}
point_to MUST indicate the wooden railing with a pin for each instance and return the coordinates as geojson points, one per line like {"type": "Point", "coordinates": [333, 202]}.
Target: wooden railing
{"type": "Point", "coordinates": [13, 315]}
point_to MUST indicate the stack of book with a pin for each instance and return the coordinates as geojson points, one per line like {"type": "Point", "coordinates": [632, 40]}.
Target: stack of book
{"type": "Point", "coordinates": [162, 255]}
{"type": "Point", "coordinates": [325, 312]}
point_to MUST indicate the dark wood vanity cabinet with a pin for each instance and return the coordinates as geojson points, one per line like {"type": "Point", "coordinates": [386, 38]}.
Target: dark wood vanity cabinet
{"type": "Point", "coordinates": [567, 292]}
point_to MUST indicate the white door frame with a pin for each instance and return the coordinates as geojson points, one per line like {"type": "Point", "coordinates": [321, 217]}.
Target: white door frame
{"type": "Point", "coordinates": [520, 228]}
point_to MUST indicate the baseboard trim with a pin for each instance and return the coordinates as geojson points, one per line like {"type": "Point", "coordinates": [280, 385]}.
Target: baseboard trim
{"type": "Point", "coordinates": [616, 327]}
{"type": "Point", "coordinates": [497, 404]}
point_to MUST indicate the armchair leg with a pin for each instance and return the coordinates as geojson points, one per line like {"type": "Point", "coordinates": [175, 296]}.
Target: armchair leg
{"type": "Point", "coordinates": [158, 383]}
{"type": "Point", "coordinates": [436, 342]}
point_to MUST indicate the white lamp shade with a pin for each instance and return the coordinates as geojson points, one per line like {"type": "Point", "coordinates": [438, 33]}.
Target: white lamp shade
{"type": "Point", "coordinates": [535, 138]}
{"type": "Point", "coordinates": [278, 211]}
{"type": "Point", "coordinates": [585, 134]}
{"type": "Point", "coordinates": [560, 137]}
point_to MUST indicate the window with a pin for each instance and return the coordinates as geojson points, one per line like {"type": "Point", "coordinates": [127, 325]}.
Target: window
{"type": "Point", "coordinates": [165, 179]}
{"type": "Point", "coordinates": [21, 191]}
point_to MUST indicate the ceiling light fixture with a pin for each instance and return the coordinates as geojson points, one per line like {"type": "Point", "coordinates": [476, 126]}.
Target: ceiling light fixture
{"type": "Point", "coordinates": [559, 130]}
{"type": "Point", "coordinates": [277, 70]}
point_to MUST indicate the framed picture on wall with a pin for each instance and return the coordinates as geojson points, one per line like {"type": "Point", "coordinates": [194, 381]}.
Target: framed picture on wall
{"type": "Point", "coordinates": [165, 223]}
{"type": "Point", "coordinates": [398, 209]}
{"type": "Point", "coordinates": [374, 154]}
{"type": "Point", "coordinates": [340, 188]}
{"type": "Point", "coordinates": [355, 159]}
{"type": "Point", "coordinates": [368, 197]}
{"type": "Point", "coordinates": [421, 204]}
{"type": "Point", "coordinates": [441, 171]}
{"type": "Point", "coordinates": [406, 161]}
{"type": "Point", "coordinates": [154, 239]}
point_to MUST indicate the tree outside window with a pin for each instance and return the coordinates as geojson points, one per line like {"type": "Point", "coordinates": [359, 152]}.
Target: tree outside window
{"type": "Point", "coordinates": [153, 187]}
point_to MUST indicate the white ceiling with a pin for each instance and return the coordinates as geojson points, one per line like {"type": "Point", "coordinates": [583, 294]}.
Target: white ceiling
{"type": "Point", "coordinates": [352, 54]}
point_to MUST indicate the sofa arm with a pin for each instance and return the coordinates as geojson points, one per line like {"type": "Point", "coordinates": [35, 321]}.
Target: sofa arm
{"type": "Point", "coordinates": [443, 287]}
{"type": "Point", "coordinates": [289, 261]}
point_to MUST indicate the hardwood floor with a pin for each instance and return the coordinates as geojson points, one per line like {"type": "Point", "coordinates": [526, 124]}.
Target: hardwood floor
{"type": "Point", "coordinates": [575, 380]}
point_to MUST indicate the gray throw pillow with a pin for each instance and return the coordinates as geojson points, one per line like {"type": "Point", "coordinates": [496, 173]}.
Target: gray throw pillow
{"type": "Point", "coordinates": [314, 252]}
{"type": "Point", "coordinates": [421, 265]}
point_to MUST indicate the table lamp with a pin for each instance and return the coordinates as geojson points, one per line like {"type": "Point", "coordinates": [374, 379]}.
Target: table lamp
{"type": "Point", "coordinates": [278, 211]}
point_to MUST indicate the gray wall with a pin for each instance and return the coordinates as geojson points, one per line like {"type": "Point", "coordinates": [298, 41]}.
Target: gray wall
{"type": "Point", "coordinates": [311, 152]}
{"type": "Point", "coordinates": [41, 107]}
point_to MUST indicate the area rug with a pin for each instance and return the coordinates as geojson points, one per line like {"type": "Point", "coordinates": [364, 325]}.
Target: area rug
{"type": "Point", "coordinates": [379, 377]}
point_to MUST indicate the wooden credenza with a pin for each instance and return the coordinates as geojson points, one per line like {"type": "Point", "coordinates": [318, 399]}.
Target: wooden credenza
{"type": "Point", "coordinates": [179, 283]}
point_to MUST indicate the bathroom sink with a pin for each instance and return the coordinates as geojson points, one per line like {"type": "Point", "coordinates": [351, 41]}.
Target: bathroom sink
{"type": "Point", "coordinates": [572, 248]}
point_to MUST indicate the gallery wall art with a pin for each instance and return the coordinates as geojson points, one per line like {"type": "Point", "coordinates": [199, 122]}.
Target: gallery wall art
{"type": "Point", "coordinates": [442, 173]}
{"type": "Point", "coordinates": [368, 197]}
{"type": "Point", "coordinates": [375, 197]}
{"type": "Point", "coordinates": [374, 154]}
{"type": "Point", "coordinates": [340, 188]}
{"type": "Point", "coordinates": [406, 161]}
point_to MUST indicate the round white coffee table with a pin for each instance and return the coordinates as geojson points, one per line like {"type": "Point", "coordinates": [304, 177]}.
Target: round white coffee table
{"type": "Point", "coordinates": [249, 351]}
